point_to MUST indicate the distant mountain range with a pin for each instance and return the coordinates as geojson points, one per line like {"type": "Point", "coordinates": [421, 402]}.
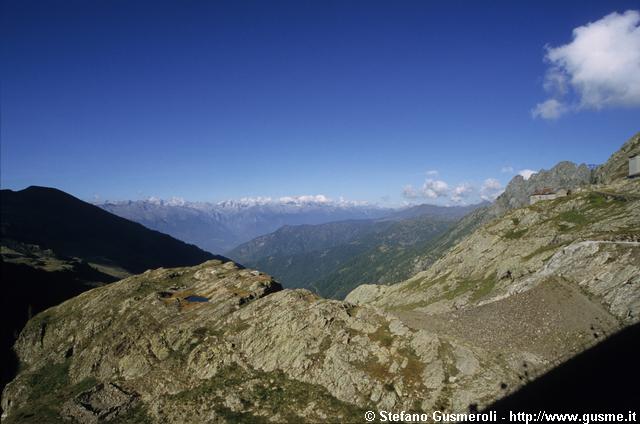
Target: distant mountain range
{"type": "Point", "coordinates": [333, 258]}
{"type": "Point", "coordinates": [219, 227]}
{"type": "Point", "coordinates": [54, 246]}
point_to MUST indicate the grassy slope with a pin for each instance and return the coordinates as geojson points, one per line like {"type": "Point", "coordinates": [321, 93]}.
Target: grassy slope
{"type": "Point", "coordinates": [334, 270]}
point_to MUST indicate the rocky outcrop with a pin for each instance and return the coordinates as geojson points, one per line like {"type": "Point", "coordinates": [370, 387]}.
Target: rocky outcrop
{"type": "Point", "coordinates": [207, 343]}
{"type": "Point", "coordinates": [617, 167]}
{"type": "Point", "coordinates": [520, 247]}
{"type": "Point", "coordinates": [101, 403]}
{"type": "Point", "coordinates": [565, 175]}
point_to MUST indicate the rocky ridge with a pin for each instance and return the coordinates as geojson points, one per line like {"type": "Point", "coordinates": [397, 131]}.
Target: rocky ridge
{"type": "Point", "coordinates": [251, 351]}
{"type": "Point", "coordinates": [566, 175]}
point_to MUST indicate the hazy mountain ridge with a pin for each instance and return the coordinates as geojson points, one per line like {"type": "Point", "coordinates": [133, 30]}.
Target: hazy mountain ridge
{"type": "Point", "coordinates": [219, 227]}
{"type": "Point", "coordinates": [331, 259]}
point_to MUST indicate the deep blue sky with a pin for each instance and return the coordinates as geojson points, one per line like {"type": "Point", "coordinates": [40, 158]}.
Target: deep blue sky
{"type": "Point", "coordinates": [215, 100]}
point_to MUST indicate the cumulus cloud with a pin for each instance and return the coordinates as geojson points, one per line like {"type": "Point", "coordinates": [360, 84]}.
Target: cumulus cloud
{"type": "Point", "coordinates": [490, 189]}
{"type": "Point", "coordinates": [599, 68]}
{"type": "Point", "coordinates": [526, 173]}
{"type": "Point", "coordinates": [549, 109]}
{"type": "Point", "coordinates": [460, 192]}
{"type": "Point", "coordinates": [409, 192]}
{"type": "Point", "coordinates": [507, 169]}
{"type": "Point", "coordinates": [433, 189]}
{"type": "Point", "coordinates": [432, 172]}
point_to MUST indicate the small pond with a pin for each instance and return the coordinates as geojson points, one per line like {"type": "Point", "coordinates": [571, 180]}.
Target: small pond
{"type": "Point", "coordinates": [196, 299]}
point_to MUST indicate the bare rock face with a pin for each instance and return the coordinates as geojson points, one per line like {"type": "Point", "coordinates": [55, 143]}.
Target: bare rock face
{"type": "Point", "coordinates": [212, 342]}
{"type": "Point", "coordinates": [102, 403]}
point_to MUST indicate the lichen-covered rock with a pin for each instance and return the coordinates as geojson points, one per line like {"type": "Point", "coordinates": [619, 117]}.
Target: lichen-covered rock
{"type": "Point", "coordinates": [101, 403]}
{"type": "Point", "coordinates": [212, 342]}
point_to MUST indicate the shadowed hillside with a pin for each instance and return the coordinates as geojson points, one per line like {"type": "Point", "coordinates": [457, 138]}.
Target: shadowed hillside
{"type": "Point", "coordinates": [55, 220]}
{"type": "Point", "coordinates": [599, 380]}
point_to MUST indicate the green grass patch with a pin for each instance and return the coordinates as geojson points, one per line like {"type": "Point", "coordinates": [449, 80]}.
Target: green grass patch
{"type": "Point", "coordinates": [596, 200]}
{"type": "Point", "coordinates": [483, 288]}
{"type": "Point", "coordinates": [542, 250]}
{"type": "Point", "coordinates": [382, 335]}
{"type": "Point", "coordinates": [412, 373]}
{"type": "Point", "coordinates": [515, 234]}
{"type": "Point", "coordinates": [273, 391]}
{"type": "Point", "coordinates": [50, 388]}
{"type": "Point", "coordinates": [136, 415]}
{"type": "Point", "coordinates": [479, 287]}
{"type": "Point", "coordinates": [423, 283]}
{"type": "Point", "coordinates": [573, 217]}
{"type": "Point", "coordinates": [459, 288]}
{"type": "Point", "coordinates": [48, 379]}
{"type": "Point", "coordinates": [375, 369]}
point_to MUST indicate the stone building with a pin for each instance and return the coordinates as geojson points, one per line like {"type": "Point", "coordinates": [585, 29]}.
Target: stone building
{"type": "Point", "coordinates": [634, 166]}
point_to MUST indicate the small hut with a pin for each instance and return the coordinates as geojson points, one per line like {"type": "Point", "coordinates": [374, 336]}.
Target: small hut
{"type": "Point", "coordinates": [634, 166]}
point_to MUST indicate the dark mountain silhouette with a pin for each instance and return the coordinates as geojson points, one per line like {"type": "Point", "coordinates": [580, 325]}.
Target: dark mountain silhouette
{"type": "Point", "coordinates": [56, 220]}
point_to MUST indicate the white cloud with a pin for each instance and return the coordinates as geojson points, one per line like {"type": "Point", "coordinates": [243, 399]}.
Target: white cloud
{"type": "Point", "coordinates": [600, 66]}
{"type": "Point", "coordinates": [526, 173]}
{"type": "Point", "coordinates": [490, 189]}
{"type": "Point", "coordinates": [507, 169]}
{"type": "Point", "coordinates": [460, 192]}
{"type": "Point", "coordinates": [556, 82]}
{"type": "Point", "coordinates": [434, 188]}
{"type": "Point", "coordinates": [431, 189]}
{"type": "Point", "coordinates": [432, 172]}
{"type": "Point", "coordinates": [409, 192]}
{"type": "Point", "coordinates": [549, 109]}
